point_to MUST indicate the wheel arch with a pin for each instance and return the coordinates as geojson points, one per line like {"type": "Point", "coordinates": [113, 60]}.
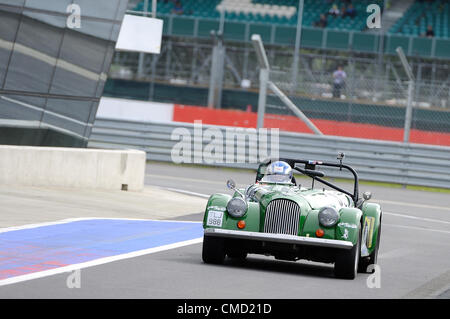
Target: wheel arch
{"type": "Point", "coordinates": [347, 227]}
{"type": "Point", "coordinates": [372, 216]}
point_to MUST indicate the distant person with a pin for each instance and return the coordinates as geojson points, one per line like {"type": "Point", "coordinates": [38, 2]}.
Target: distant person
{"type": "Point", "coordinates": [343, 11]}
{"type": "Point", "coordinates": [322, 22]}
{"type": "Point", "coordinates": [334, 11]}
{"type": "Point", "coordinates": [178, 8]}
{"type": "Point", "coordinates": [339, 77]}
{"type": "Point", "coordinates": [430, 32]}
{"type": "Point", "coordinates": [350, 11]}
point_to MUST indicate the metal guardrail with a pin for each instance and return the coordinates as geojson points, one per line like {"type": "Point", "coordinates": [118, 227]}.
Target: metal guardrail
{"type": "Point", "coordinates": [381, 161]}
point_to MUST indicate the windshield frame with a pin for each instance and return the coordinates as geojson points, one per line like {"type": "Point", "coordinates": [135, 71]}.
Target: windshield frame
{"type": "Point", "coordinates": [268, 179]}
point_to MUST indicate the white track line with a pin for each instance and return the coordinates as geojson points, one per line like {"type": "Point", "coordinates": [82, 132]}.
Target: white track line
{"type": "Point", "coordinates": [63, 221]}
{"type": "Point", "coordinates": [418, 218]}
{"type": "Point", "coordinates": [418, 228]}
{"type": "Point", "coordinates": [186, 179]}
{"type": "Point", "coordinates": [69, 220]}
{"type": "Point", "coordinates": [413, 205]}
{"type": "Point", "coordinates": [182, 191]}
{"type": "Point", "coordinates": [96, 262]}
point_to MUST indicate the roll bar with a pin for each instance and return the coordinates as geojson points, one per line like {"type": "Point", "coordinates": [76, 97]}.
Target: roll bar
{"type": "Point", "coordinates": [311, 166]}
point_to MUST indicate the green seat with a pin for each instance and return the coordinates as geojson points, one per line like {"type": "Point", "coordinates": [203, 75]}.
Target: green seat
{"type": "Point", "coordinates": [201, 17]}
{"type": "Point", "coordinates": [312, 10]}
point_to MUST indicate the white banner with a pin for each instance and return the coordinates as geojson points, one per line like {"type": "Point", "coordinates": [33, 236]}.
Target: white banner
{"type": "Point", "coordinates": [140, 34]}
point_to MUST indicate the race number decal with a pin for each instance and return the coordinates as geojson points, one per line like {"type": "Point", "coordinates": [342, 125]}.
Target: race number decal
{"type": "Point", "coordinates": [215, 218]}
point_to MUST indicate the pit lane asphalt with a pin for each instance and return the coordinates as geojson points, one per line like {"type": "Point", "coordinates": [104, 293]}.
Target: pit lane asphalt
{"type": "Point", "coordinates": [414, 255]}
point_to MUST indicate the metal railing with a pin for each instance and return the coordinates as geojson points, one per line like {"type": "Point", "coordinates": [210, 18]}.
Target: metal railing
{"type": "Point", "coordinates": [313, 37]}
{"type": "Point", "coordinates": [392, 162]}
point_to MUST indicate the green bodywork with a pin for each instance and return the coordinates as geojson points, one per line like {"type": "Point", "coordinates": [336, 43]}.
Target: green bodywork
{"type": "Point", "coordinates": [310, 202]}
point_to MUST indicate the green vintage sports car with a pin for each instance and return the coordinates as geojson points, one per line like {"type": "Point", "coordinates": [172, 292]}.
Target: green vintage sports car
{"type": "Point", "coordinates": [274, 216]}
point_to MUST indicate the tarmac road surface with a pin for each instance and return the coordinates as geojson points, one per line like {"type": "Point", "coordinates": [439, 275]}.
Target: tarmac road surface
{"type": "Point", "coordinates": [414, 256]}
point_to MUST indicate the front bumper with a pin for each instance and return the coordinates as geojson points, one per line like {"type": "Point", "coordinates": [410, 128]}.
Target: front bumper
{"type": "Point", "coordinates": [278, 238]}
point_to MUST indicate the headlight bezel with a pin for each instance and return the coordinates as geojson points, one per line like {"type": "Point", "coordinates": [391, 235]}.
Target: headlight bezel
{"type": "Point", "coordinates": [328, 217]}
{"type": "Point", "coordinates": [237, 212]}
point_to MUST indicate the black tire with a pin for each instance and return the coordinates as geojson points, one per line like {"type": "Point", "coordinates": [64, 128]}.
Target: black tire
{"type": "Point", "coordinates": [372, 259]}
{"type": "Point", "coordinates": [346, 265]}
{"type": "Point", "coordinates": [213, 250]}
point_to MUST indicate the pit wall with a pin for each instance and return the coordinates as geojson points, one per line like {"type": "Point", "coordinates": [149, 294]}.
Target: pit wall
{"type": "Point", "coordinates": [72, 167]}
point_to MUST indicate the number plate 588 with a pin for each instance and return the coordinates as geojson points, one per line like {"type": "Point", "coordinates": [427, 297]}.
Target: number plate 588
{"type": "Point", "coordinates": [215, 218]}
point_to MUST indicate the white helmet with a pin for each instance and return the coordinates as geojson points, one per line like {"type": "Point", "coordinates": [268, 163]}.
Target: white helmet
{"type": "Point", "coordinates": [278, 172]}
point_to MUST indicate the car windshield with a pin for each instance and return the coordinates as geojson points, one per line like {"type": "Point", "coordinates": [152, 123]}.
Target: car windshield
{"type": "Point", "coordinates": [279, 179]}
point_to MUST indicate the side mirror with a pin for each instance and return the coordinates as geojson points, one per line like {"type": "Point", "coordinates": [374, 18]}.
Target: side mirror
{"type": "Point", "coordinates": [231, 184]}
{"type": "Point", "coordinates": [367, 195]}
{"type": "Point", "coordinates": [340, 157]}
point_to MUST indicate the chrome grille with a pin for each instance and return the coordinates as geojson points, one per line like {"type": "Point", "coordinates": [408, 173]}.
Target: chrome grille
{"type": "Point", "coordinates": [282, 217]}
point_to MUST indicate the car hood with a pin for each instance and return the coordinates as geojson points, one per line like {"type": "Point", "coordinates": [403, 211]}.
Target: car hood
{"type": "Point", "coordinates": [315, 198]}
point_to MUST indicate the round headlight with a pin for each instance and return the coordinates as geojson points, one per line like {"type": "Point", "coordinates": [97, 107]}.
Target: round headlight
{"type": "Point", "coordinates": [237, 207]}
{"type": "Point", "coordinates": [328, 216]}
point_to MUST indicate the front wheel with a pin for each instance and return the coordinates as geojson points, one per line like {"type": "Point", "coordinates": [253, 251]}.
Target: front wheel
{"type": "Point", "coordinates": [346, 265]}
{"type": "Point", "coordinates": [213, 250]}
{"type": "Point", "coordinates": [235, 251]}
{"type": "Point", "coordinates": [237, 255]}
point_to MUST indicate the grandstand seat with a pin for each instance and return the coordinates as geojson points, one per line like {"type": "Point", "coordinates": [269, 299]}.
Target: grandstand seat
{"type": "Point", "coordinates": [421, 14]}
{"type": "Point", "coordinates": [283, 12]}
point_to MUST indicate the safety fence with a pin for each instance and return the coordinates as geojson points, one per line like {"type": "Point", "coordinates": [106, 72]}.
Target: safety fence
{"type": "Point", "coordinates": [392, 162]}
{"type": "Point", "coordinates": [343, 117]}
{"type": "Point", "coordinates": [355, 96]}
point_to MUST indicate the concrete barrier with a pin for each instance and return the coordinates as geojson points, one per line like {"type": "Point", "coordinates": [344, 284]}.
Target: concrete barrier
{"type": "Point", "coordinates": [72, 167]}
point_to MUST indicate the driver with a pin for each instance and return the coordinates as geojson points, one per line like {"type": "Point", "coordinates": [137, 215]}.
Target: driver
{"type": "Point", "coordinates": [278, 172]}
